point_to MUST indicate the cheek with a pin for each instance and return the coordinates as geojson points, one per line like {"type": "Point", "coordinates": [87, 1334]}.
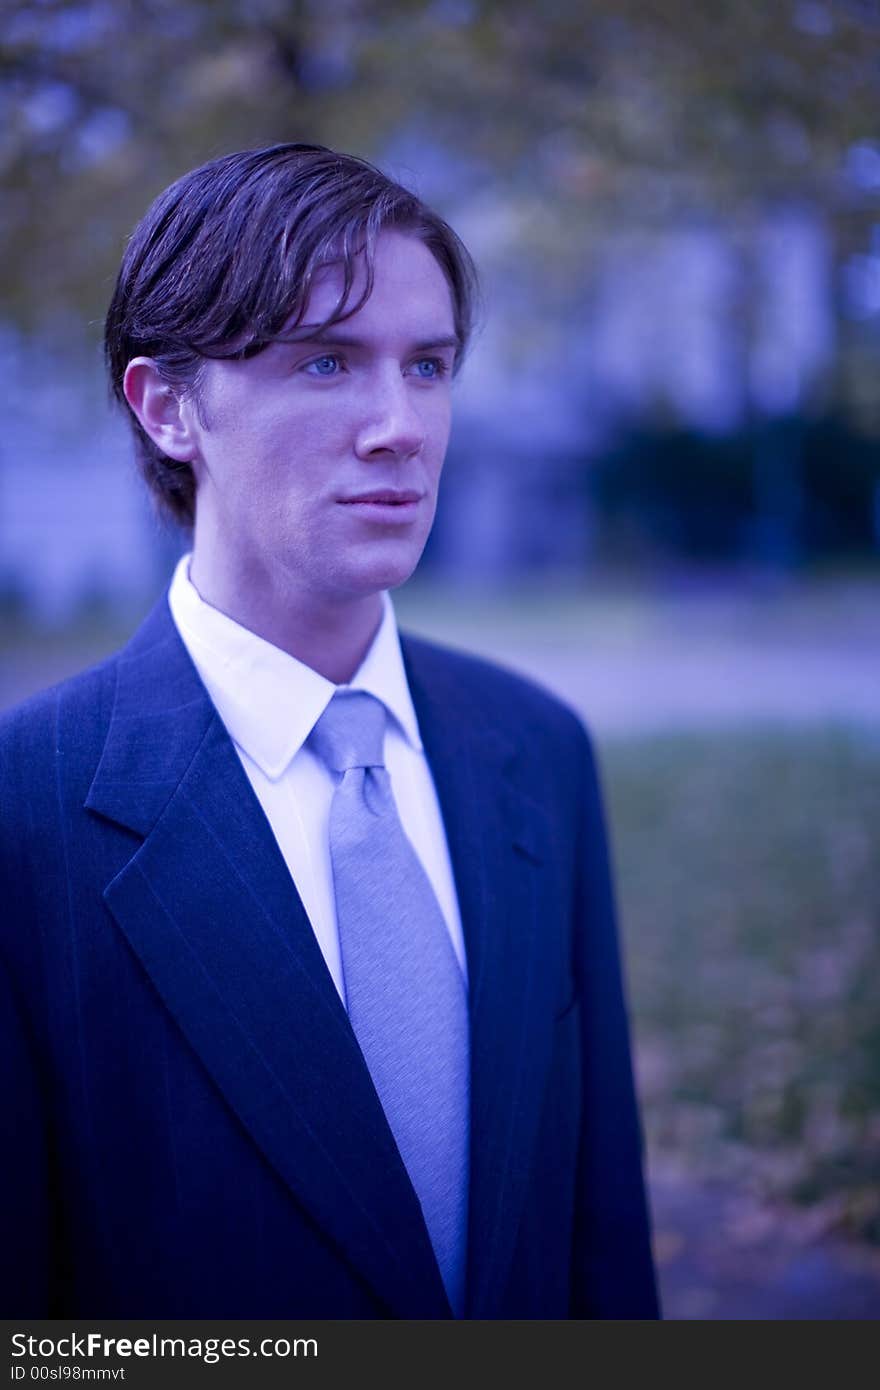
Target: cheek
{"type": "Point", "coordinates": [438, 424]}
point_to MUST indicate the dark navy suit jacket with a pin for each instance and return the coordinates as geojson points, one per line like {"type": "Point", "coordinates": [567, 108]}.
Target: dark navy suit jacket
{"type": "Point", "coordinates": [191, 1130]}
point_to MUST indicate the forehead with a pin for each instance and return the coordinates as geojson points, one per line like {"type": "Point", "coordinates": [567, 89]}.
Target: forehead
{"type": "Point", "coordinates": [410, 291]}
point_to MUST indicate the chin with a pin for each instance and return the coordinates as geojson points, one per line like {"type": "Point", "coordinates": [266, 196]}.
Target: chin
{"type": "Point", "coordinates": [386, 571]}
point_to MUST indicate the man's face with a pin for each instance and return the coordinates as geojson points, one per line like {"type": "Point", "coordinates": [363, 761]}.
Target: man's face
{"type": "Point", "coordinates": [317, 462]}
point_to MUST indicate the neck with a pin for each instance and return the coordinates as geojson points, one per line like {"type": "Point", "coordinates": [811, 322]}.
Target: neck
{"type": "Point", "coordinates": [331, 637]}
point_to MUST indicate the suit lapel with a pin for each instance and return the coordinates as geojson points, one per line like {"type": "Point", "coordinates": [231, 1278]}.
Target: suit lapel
{"type": "Point", "coordinates": [498, 841]}
{"type": "Point", "coordinates": [208, 905]}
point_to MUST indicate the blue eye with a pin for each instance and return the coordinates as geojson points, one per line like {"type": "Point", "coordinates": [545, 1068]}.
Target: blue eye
{"type": "Point", "coordinates": [435, 368]}
{"type": "Point", "coordinates": [323, 366]}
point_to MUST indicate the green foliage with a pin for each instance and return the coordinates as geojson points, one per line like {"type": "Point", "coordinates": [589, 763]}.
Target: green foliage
{"type": "Point", "coordinates": [749, 880]}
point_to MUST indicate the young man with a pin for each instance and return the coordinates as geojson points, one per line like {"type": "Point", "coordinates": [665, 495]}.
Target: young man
{"type": "Point", "coordinates": [314, 1001]}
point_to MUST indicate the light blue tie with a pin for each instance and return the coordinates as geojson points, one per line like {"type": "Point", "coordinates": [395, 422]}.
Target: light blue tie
{"type": "Point", "coordinates": [404, 987]}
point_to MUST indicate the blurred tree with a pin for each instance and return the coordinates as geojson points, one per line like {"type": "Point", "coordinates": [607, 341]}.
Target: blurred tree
{"type": "Point", "coordinates": [591, 116]}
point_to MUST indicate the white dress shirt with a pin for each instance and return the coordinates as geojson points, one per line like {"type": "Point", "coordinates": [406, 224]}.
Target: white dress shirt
{"type": "Point", "coordinates": [270, 702]}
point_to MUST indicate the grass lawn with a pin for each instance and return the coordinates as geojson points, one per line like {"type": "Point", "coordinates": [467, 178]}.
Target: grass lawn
{"type": "Point", "coordinates": [748, 869]}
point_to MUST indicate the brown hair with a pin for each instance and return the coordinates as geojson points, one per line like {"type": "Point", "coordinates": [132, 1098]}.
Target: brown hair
{"type": "Point", "coordinates": [226, 257]}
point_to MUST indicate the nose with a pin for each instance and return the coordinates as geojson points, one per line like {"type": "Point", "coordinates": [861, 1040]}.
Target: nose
{"type": "Point", "coordinates": [393, 426]}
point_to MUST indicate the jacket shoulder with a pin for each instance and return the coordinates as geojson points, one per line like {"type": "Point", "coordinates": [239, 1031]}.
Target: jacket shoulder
{"type": "Point", "coordinates": [80, 708]}
{"type": "Point", "coordinates": [504, 698]}
{"type": "Point", "coordinates": [62, 726]}
{"type": "Point", "coordinates": [81, 698]}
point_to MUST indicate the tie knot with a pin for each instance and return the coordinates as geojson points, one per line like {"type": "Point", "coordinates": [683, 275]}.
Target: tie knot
{"type": "Point", "coordinates": [350, 732]}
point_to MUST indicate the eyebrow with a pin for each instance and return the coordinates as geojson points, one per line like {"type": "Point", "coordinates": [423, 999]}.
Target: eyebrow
{"type": "Point", "coordinates": [325, 339]}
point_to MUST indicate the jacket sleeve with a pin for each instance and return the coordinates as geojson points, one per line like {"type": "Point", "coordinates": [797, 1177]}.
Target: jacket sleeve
{"type": "Point", "coordinates": [25, 1215]}
{"type": "Point", "coordinates": [613, 1270]}
{"type": "Point", "coordinates": [25, 1211]}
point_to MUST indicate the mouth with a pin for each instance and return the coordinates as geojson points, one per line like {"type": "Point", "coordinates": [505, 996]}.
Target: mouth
{"type": "Point", "coordinates": [382, 497]}
{"type": "Point", "coordinates": [383, 505]}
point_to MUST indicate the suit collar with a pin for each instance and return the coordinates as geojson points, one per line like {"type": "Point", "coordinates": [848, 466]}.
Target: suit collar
{"type": "Point", "coordinates": [161, 717]}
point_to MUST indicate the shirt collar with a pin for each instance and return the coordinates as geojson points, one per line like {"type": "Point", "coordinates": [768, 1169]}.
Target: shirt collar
{"type": "Point", "coordinates": [268, 700]}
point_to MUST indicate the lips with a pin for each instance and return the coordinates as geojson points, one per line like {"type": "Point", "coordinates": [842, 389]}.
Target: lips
{"type": "Point", "coordinates": [383, 497]}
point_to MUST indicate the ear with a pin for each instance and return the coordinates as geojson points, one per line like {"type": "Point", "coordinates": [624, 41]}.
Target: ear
{"type": "Point", "coordinates": [166, 418]}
